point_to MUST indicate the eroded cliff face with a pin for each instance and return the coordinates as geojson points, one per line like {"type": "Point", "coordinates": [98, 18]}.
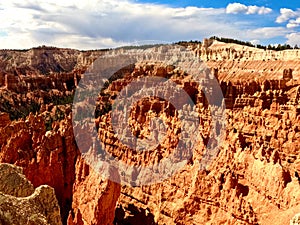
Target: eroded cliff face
{"type": "Point", "coordinates": [236, 62]}
{"type": "Point", "coordinates": [254, 179]}
{"type": "Point", "coordinates": [36, 89]}
{"type": "Point", "coordinates": [45, 60]}
{"type": "Point", "coordinates": [49, 155]}
{"type": "Point", "coordinates": [94, 198]}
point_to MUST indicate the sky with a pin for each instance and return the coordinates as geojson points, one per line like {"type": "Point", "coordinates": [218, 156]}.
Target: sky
{"type": "Point", "coordinates": [96, 24]}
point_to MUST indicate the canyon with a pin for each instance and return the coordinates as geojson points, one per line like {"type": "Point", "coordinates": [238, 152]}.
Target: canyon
{"type": "Point", "coordinates": [253, 178]}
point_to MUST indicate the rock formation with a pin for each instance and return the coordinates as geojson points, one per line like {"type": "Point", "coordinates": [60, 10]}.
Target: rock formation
{"type": "Point", "coordinates": [235, 62]}
{"type": "Point", "coordinates": [20, 203]}
{"type": "Point", "coordinates": [254, 178]}
{"type": "Point", "coordinates": [51, 157]}
{"type": "Point", "coordinates": [101, 196]}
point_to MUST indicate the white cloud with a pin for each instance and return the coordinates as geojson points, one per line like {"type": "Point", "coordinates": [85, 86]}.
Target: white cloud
{"type": "Point", "coordinates": [267, 32]}
{"type": "Point", "coordinates": [237, 8]}
{"type": "Point", "coordinates": [104, 23]}
{"type": "Point", "coordinates": [285, 15]}
{"type": "Point", "coordinates": [110, 23]}
{"type": "Point", "coordinates": [293, 23]}
{"type": "Point", "coordinates": [290, 16]}
{"type": "Point", "coordinates": [255, 42]}
{"type": "Point", "coordinates": [293, 39]}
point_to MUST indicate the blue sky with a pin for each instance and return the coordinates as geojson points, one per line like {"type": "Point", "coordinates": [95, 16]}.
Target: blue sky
{"type": "Point", "coordinates": [110, 23]}
{"type": "Point", "coordinates": [276, 5]}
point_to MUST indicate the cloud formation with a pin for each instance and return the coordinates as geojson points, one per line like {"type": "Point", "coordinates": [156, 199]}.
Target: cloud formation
{"type": "Point", "coordinates": [267, 32]}
{"type": "Point", "coordinates": [293, 39]}
{"type": "Point", "coordinates": [290, 16]}
{"type": "Point", "coordinates": [285, 15]}
{"type": "Point", "coordinates": [293, 23]}
{"type": "Point", "coordinates": [103, 23]}
{"type": "Point", "coordinates": [237, 8]}
{"type": "Point", "coordinates": [111, 23]}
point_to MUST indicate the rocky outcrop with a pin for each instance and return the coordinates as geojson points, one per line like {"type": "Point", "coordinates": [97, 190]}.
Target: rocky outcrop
{"type": "Point", "coordinates": [43, 154]}
{"type": "Point", "coordinates": [13, 182]}
{"type": "Point", "coordinates": [100, 194]}
{"type": "Point", "coordinates": [295, 220]}
{"type": "Point", "coordinates": [44, 146]}
{"type": "Point", "coordinates": [20, 203]}
{"type": "Point", "coordinates": [4, 119]}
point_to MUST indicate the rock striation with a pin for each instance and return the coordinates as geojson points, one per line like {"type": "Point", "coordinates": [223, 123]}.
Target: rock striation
{"type": "Point", "coordinates": [238, 62]}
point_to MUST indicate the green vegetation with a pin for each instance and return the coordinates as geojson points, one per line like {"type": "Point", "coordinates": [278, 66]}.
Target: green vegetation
{"type": "Point", "coordinates": [281, 47]}
{"type": "Point", "coordinates": [59, 115]}
{"type": "Point", "coordinates": [247, 43]}
{"type": "Point", "coordinates": [146, 46]}
{"type": "Point", "coordinates": [96, 50]}
{"type": "Point", "coordinates": [234, 41]}
{"type": "Point", "coordinates": [58, 100]}
{"type": "Point", "coordinates": [20, 107]}
{"type": "Point", "coordinates": [17, 111]}
{"type": "Point", "coordinates": [187, 43]}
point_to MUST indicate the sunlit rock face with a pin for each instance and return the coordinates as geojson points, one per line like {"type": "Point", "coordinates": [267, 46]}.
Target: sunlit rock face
{"type": "Point", "coordinates": [254, 178]}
